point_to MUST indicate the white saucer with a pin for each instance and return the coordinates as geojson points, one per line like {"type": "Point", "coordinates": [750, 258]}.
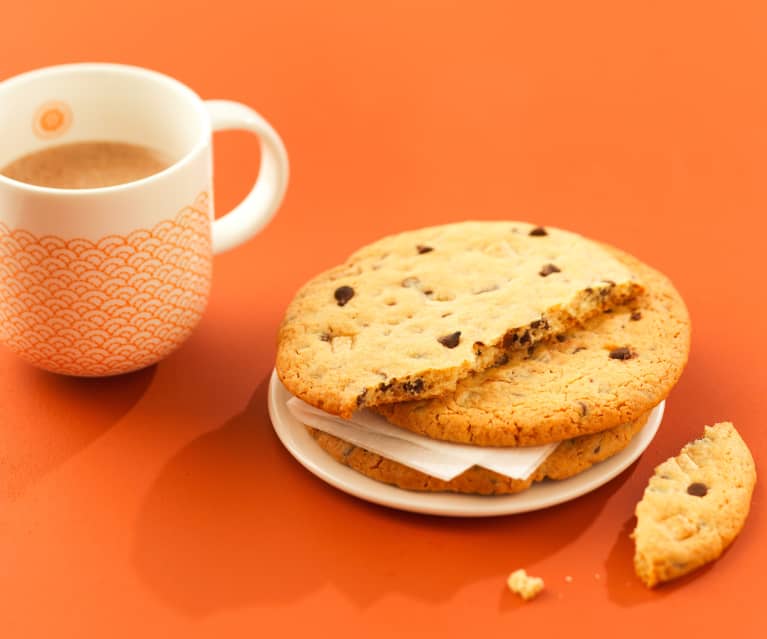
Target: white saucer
{"type": "Point", "coordinates": [302, 446]}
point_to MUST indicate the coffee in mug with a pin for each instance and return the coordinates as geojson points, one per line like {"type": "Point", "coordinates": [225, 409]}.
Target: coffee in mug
{"type": "Point", "coordinates": [87, 165]}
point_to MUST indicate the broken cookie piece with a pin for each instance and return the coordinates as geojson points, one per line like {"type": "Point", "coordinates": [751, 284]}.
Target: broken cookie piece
{"type": "Point", "coordinates": [694, 506]}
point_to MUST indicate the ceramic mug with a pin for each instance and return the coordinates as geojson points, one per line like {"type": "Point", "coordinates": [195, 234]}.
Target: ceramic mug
{"type": "Point", "coordinates": [108, 280]}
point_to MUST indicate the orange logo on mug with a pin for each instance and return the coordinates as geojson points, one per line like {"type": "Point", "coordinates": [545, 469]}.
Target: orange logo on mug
{"type": "Point", "coordinates": [106, 307]}
{"type": "Point", "coordinates": [52, 119]}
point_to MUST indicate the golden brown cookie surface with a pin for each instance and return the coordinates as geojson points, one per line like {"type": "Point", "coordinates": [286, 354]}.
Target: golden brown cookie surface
{"type": "Point", "coordinates": [409, 315]}
{"type": "Point", "coordinates": [617, 367]}
{"type": "Point", "coordinates": [694, 506]}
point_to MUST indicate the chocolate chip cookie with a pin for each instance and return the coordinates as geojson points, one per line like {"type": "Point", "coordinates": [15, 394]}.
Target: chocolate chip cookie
{"type": "Point", "coordinates": [410, 315]}
{"type": "Point", "coordinates": [609, 372]}
{"type": "Point", "coordinates": [568, 459]}
{"type": "Point", "coordinates": [694, 506]}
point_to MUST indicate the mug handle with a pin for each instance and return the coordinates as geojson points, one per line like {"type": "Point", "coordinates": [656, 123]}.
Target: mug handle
{"type": "Point", "coordinates": [259, 206]}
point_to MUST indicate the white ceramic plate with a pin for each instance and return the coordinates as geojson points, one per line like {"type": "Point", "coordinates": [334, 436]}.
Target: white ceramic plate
{"type": "Point", "coordinates": [302, 446]}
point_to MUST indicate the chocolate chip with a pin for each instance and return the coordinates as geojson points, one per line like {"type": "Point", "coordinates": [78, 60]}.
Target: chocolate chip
{"type": "Point", "coordinates": [423, 249]}
{"type": "Point", "coordinates": [584, 408]}
{"type": "Point", "coordinates": [325, 337]}
{"type": "Point", "coordinates": [541, 323]}
{"type": "Point", "coordinates": [502, 360]}
{"type": "Point", "coordinates": [621, 353]}
{"type": "Point", "coordinates": [451, 340]}
{"type": "Point", "coordinates": [548, 269]}
{"type": "Point", "coordinates": [509, 339]}
{"type": "Point", "coordinates": [343, 294]}
{"type": "Point", "coordinates": [607, 311]}
{"type": "Point", "coordinates": [361, 397]}
{"type": "Point", "coordinates": [530, 350]}
{"type": "Point", "coordinates": [538, 231]}
{"type": "Point", "coordinates": [413, 387]}
{"type": "Point", "coordinates": [697, 489]}
{"type": "Point", "coordinates": [525, 337]}
{"type": "Point", "coordinates": [385, 386]}
{"type": "Point", "coordinates": [636, 316]}
{"type": "Point", "coordinates": [597, 449]}
{"type": "Point", "coordinates": [561, 338]}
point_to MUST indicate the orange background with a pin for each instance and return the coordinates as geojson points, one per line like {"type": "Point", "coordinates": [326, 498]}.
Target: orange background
{"type": "Point", "coordinates": [162, 504]}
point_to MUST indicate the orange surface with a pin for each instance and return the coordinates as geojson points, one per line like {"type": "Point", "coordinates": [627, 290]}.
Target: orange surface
{"type": "Point", "coordinates": [162, 504]}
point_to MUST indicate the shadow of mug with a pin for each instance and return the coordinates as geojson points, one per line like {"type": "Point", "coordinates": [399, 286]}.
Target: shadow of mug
{"type": "Point", "coordinates": [41, 435]}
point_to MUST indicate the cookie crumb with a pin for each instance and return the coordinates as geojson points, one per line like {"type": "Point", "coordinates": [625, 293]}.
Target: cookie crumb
{"type": "Point", "coordinates": [527, 587]}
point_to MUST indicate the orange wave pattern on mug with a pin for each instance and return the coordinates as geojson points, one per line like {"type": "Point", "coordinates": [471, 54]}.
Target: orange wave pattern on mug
{"type": "Point", "coordinates": [89, 308]}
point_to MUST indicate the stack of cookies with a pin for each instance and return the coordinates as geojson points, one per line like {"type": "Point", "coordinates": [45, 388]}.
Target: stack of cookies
{"type": "Point", "coordinates": [492, 334]}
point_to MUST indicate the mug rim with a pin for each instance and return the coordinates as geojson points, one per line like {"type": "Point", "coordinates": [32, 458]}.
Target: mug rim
{"type": "Point", "coordinates": [124, 69]}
